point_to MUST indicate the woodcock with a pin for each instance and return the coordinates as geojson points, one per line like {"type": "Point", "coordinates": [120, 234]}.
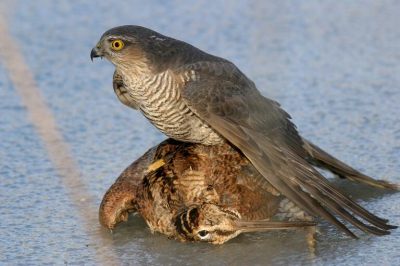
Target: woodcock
{"type": "Point", "coordinates": [195, 192]}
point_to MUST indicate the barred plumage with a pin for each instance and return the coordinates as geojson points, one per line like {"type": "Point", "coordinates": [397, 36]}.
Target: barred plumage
{"type": "Point", "coordinates": [159, 99]}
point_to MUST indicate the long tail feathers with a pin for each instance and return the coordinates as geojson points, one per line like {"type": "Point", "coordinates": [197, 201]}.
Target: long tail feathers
{"type": "Point", "coordinates": [320, 158]}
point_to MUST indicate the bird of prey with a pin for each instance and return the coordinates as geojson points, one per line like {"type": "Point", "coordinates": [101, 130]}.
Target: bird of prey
{"type": "Point", "coordinates": [199, 193]}
{"type": "Point", "coordinates": [196, 97]}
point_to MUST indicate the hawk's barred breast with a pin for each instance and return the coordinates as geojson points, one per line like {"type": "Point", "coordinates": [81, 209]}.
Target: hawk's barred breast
{"type": "Point", "coordinates": [160, 100]}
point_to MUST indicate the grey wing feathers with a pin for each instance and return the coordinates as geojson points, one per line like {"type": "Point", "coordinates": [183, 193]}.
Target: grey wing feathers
{"type": "Point", "coordinates": [264, 133]}
{"type": "Point", "coordinates": [121, 92]}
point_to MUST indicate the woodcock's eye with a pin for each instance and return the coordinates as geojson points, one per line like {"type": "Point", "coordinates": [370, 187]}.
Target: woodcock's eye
{"type": "Point", "coordinates": [203, 233]}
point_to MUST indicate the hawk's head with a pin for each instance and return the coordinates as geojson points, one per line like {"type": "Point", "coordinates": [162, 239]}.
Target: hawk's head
{"type": "Point", "coordinates": [137, 48]}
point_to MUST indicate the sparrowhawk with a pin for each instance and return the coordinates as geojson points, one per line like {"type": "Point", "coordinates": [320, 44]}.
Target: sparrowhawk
{"type": "Point", "coordinates": [193, 96]}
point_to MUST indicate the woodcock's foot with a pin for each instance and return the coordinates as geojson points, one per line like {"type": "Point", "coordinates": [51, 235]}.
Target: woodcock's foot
{"type": "Point", "coordinates": [194, 192]}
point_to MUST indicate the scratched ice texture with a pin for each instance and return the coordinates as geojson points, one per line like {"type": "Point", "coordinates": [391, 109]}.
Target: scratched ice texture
{"type": "Point", "coordinates": [334, 66]}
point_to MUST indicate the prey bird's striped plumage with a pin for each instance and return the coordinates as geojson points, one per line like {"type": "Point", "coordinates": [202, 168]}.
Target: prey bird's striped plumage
{"type": "Point", "coordinates": [199, 193]}
{"type": "Point", "coordinates": [196, 97]}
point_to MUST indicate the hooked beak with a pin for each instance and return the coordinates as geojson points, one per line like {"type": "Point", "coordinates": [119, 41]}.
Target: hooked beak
{"type": "Point", "coordinates": [96, 52]}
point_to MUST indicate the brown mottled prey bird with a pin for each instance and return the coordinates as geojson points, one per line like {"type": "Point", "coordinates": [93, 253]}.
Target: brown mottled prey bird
{"type": "Point", "coordinates": [199, 193]}
{"type": "Point", "coordinates": [196, 97]}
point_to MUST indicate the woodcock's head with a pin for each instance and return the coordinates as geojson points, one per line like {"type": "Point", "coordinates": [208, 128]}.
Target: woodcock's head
{"type": "Point", "coordinates": [214, 224]}
{"type": "Point", "coordinates": [207, 223]}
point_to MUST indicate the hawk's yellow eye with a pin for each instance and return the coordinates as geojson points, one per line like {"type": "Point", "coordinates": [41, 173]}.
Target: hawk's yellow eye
{"type": "Point", "coordinates": [117, 45]}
